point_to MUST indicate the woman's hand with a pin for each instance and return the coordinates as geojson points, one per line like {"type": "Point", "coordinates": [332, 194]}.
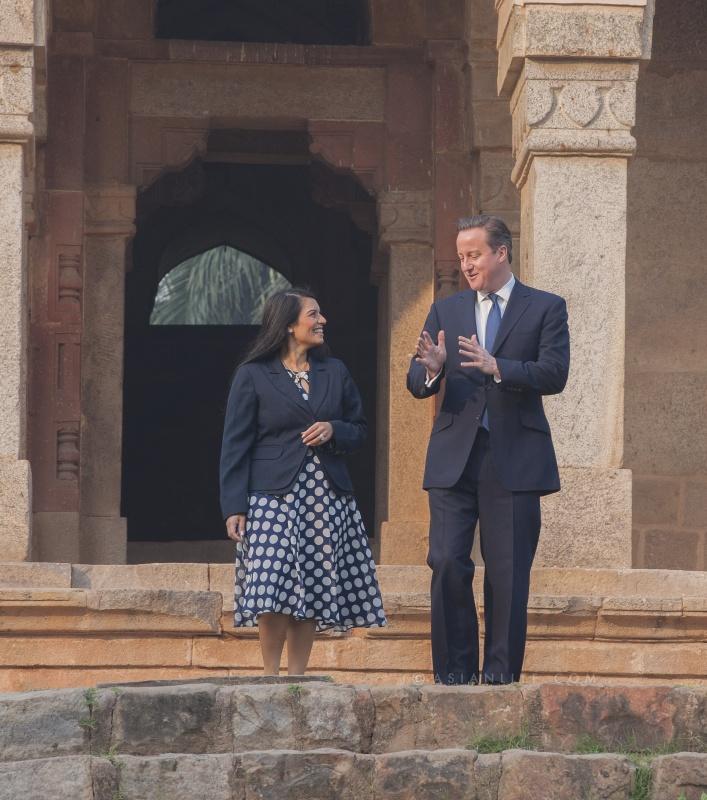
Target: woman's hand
{"type": "Point", "coordinates": [317, 434]}
{"type": "Point", "coordinates": [235, 527]}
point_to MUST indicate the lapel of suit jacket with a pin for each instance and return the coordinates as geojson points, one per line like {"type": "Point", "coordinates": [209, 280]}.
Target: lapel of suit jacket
{"type": "Point", "coordinates": [279, 378]}
{"type": "Point", "coordinates": [518, 302]}
{"type": "Point", "coordinates": [319, 384]}
{"type": "Point", "coordinates": [467, 315]}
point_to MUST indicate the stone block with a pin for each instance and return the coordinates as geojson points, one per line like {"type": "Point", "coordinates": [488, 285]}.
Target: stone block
{"type": "Point", "coordinates": [174, 719]}
{"type": "Point", "coordinates": [487, 769]}
{"type": "Point", "coordinates": [124, 19]}
{"type": "Point", "coordinates": [106, 152]}
{"type": "Point", "coordinates": [671, 410]}
{"type": "Point", "coordinates": [404, 23]}
{"type": "Point", "coordinates": [695, 510]}
{"type": "Point", "coordinates": [455, 716]}
{"type": "Point", "coordinates": [73, 15]}
{"type": "Point", "coordinates": [588, 523]}
{"type": "Point", "coordinates": [398, 718]}
{"type": "Point", "coordinates": [679, 776]}
{"type": "Point", "coordinates": [673, 549]}
{"type": "Point", "coordinates": [238, 91]}
{"type": "Point", "coordinates": [175, 577]}
{"type": "Point", "coordinates": [65, 120]}
{"type": "Point", "coordinates": [43, 724]}
{"type": "Point", "coordinates": [619, 717]}
{"type": "Point", "coordinates": [179, 777]}
{"type": "Point", "coordinates": [105, 650]}
{"type": "Point", "coordinates": [200, 607]}
{"type": "Point", "coordinates": [15, 507]}
{"type": "Point", "coordinates": [655, 500]}
{"type": "Point", "coordinates": [551, 776]}
{"type": "Point", "coordinates": [301, 716]}
{"type": "Point", "coordinates": [78, 778]}
{"type": "Point", "coordinates": [325, 775]}
{"type": "Point", "coordinates": [17, 22]}
{"type": "Point", "coordinates": [425, 775]}
{"type": "Point", "coordinates": [32, 574]}
{"type": "Point", "coordinates": [55, 533]}
{"type": "Point", "coordinates": [221, 578]}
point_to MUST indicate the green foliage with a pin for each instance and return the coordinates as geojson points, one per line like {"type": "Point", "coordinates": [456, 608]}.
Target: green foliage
{"type": "Point", "coordinates": [295, 690]}
{"type": "Point", "coordinates": [642, 783]}
{"type": "Point", "coordinates": [222, 286]}
{"type": "Point", "coordinates": [497, 744]}
{"type": "Point", "coordinates": [90, 696]}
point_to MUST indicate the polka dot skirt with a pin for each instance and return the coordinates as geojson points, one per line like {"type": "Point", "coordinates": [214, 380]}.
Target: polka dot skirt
{"type": "Point", "coordinates": [306, 553]}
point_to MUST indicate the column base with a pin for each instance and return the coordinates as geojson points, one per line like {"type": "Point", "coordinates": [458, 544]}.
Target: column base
{"type": "Point", "coordinates": [104, 540]}
{"type": "Point", "coordinates": [56, 537]}
{"type": "Point", "coordinates": [588, 523]}
{"type": "Point", "coordinates": [15, 513]}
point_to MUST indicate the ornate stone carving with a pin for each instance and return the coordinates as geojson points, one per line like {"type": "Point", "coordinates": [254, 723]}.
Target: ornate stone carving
{"type": "Point", "coordinates": [70, 284]}
{"type": "Point", "coordinates": [110, 211]}
{"type": "Point", "coordinates": [67, 454]}
{"type": "Point", "coordinates": [447, 273]}
{"type": "Point", "coordinates": [405, 217]}
{"type": "Point", "coordinates": [573, 108]}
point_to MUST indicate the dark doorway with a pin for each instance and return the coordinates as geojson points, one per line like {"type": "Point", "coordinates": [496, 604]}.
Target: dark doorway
{"type": "Point", "coordinates": [296, 221]}
{"type": "Point", "coordinates": [291, 21]}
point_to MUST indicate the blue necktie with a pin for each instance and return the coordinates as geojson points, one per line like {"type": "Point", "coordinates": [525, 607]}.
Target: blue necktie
{"type": "Point", "coordinates": [493, 323]}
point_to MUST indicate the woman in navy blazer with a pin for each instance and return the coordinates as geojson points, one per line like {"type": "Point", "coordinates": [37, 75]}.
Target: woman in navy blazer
{"type": "Point", "coordinates": [303, 562]}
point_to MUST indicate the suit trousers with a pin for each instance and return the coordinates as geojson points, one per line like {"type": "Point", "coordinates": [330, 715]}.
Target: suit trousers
{"type": "Point", "coordinates": [509, 524]}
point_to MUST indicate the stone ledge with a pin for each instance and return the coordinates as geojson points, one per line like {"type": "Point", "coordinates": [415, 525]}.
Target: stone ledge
{"type": "Point", "coordinates": [72, 610]}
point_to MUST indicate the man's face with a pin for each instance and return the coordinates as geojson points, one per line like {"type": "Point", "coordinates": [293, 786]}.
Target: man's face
{"type": "Point", "coordinates": [484, 270]}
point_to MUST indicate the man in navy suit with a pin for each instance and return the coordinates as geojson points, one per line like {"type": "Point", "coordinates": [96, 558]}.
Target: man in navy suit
{"type": "Point", "coordinates": [490, 455]}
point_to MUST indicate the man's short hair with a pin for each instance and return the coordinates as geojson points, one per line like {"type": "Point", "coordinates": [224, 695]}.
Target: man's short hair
{"type": "Point", "coordinates": [497, 232]}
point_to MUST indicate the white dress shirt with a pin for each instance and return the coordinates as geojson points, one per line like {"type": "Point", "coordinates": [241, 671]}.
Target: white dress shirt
{"type": "Point", "coordinates": [483, 308]}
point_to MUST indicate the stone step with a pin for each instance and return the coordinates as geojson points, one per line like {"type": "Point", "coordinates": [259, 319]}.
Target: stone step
{"type": "Point", "coordinates": [82, 625]}
{"type": "Point", "coordinates": [393, 579]}
{"type": "Point", "coordinates": [240, 717]}
{"type": "Point", "coordinates": [331, 774]}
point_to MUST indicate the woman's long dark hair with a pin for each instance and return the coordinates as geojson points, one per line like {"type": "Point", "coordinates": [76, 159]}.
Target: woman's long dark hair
{"type": "Point", "coordinates": [281, 310]}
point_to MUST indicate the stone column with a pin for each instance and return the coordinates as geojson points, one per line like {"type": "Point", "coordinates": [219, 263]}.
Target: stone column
{"type": "Point", "coordinates": [16, 159]}
{"type": "Point", "coordinates": [572, 139]}
{"type": "Point", "coordinates": [109, 224]}
{"type": "Point", "coordinates": [405, 224]}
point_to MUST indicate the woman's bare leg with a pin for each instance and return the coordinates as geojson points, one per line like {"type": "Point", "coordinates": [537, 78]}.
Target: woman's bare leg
{"type": "Point", "coordinates": [300, 635]}
{"type": "Point", "coordinates": [272, 629]}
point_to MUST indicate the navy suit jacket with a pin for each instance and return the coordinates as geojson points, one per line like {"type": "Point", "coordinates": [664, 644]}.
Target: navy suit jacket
{"type": "Point", "coordinates": [532, 350]}
{"type": "Point", "coordinates": [262, 446]}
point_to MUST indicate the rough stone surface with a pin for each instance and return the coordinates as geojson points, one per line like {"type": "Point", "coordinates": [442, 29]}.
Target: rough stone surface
{"type": "Point", "coordinates": [42, 725]}
{"type": "Point", "coordinates": [588, 523]}
{"type": "Point", "coordinates": [287, 775]}
{"type": "Point", "coordinates": [77, 778]}
{"type": "Point", "coordinates": [153, 720]}
{"type": "Point", "coordinates": [180, 89]}
{"type": "Point", "coordinates": [181, 577]}
{"type": "Point", "coordinates": [31, 574]}
{"type": "Point", "coordinates": [179, 777]}
{"type": "Point", "coordinates": [301, 717]}
{"type": "Point", "coordinates": [678, 776]}
{"type": "Point", "coordinates": [426, 775]}
{"type": "Point", "coordinates": [550, 776]}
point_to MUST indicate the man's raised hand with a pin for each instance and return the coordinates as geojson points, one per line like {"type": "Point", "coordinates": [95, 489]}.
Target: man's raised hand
{"type": "Point", "coordinates": [432, 356]}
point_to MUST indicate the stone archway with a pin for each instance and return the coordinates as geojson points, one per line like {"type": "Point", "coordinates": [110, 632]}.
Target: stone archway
{"type": "Point", "coordinates": [294, 217]}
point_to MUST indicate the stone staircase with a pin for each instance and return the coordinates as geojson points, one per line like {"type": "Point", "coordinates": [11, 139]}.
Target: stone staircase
{"type": "Point", "coordinates": [64, 625]}
{"type": "Point", "coordinates": [277, 739]}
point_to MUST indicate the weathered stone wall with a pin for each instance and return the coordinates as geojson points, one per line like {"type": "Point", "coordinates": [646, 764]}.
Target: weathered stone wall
{"type": "Point", "coordinates": [666, 339]}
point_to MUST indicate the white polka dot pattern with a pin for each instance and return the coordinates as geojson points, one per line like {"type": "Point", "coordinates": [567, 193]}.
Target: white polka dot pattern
{"type": "Point", "coordinates": [306, 553]}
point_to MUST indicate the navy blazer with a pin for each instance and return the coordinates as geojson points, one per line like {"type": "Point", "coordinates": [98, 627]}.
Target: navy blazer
{"type": "Point", "coordinates": [262, 446]}
{"type": "Point", "coordinates": [532, 351]}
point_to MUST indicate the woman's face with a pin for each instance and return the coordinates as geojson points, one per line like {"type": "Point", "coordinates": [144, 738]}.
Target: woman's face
{"type": "Point", "coordinates": [308, 331]}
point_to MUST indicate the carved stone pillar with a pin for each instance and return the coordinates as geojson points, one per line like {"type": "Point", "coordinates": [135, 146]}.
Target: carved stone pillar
{"type": "Point", "coordinates": [16, 162]}
{"type": "Point", "coordinates": [108, 226]}
{"type": "Point", "coordinates": [572, 139]}
{"type": "Point", "coordinates": [405, 223]}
